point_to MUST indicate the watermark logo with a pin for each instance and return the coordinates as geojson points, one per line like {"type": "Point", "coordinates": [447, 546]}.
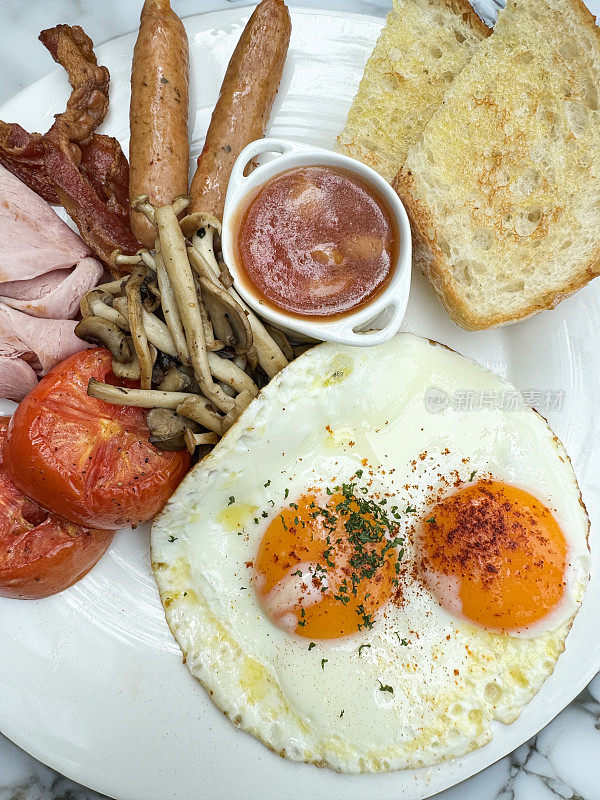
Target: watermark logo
{"type": "Point", "coordinates": [543, 400]}
{"type": "Point", "coordinates": [436, 400]}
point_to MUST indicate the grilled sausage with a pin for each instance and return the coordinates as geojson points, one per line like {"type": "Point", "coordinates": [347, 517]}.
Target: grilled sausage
{"type": "Point", "coordinates": [158, 148]}
{"type": "Point", "coordinates": [244, 104]}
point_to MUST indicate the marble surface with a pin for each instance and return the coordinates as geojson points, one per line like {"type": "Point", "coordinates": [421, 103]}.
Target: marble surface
{"type": "Point", "coordinates": [563, 760]}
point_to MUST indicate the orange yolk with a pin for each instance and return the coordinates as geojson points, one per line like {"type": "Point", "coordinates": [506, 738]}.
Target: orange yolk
{"type": "Point", "coordinates": [310, 573]}
{"type": "Point", "coordinates": [495, 554]}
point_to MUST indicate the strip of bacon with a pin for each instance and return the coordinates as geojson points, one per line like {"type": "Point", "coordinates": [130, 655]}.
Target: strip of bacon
{"type": "Point", "coordinates": [105, 167]}
{"type": "Point", "coordinates": [103, 164]}
{"type": "Point", "coordinates": [87, 106]}
{"type": "Point", "coordinates": [23, 154]}
{"type": "Point", "coordinates": [100, 228]}
{"type": "Point", "coordinates": [85, 172]}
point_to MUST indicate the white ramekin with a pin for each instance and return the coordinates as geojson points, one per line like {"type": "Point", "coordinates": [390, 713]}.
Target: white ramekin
{"type": "Point", "coordinates": [371, 324]}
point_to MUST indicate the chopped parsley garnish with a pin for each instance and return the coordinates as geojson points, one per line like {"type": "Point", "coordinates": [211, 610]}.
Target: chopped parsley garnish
{"type": "Point", "coordinates": [231, 500]}
{"type": "Point", "coordinates": [265, 514]}
{"type": "Point", "coordinates": [371, 535]}
{"type": "Point", "coordinates": [431, 520]}
{"type": "Point", "coordinates": [361, 647]}
{"type": "Point", "coordinates": [311, 645]}
{"type": "Point", "coordinates": [172, 538]}
{"type": "Point", "coordinates": [472, 475]}
{"type": "Point", "coordinates": [268, 483]}
{"type": "Point", "coordinates": [298, 572]}
{"type": "Point", "coordinates": [403, 642]}
{"type": "Point", "coordinates": [385, 687]}
{"type": "Point", "coordinates": [411, 509]}
{"type": "Point", "coordinates": [287, 494]}
{"type": "Point", "coordinates": [359, 473]}
{"type": "Point", "coordinates": [323, 662]}
{"type": "Point", "coordinates": [341, 713]}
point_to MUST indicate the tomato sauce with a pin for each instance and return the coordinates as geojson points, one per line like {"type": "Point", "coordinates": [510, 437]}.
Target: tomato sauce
{"type": "Point", "coordinates": [316, 241]}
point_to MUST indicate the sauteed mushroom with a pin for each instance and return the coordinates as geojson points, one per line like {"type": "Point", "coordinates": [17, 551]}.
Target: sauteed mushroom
{"type": "Point", "coordinates": [106, 334]}
{"type": "Point", "coordinates": [194, 440]}
{"type": "Point", "coordinates": [202, 258]}
{"type": "Point", "coordinates": [141, 398]}
{"type": "Point", "coordinates": [281, 341]}
{"type": "Point", "coordinates": [143, 205]}
{"type": "Point", "coordinates": [200, 410]}
{"type": "Point", "coordinates": [242, 401]}
{"type": "Point", "coordinates": [155, 330]}
{"type": "Point", "coordinates": [174, 254]}
{"type": "Point", "coordinates": [228, 372]}
{"type": "Point", "coordinates": [194, 344]}
{"type": "Point", "coordinates": [170, 310]}
{"type": "Point", "coordinates": [167, 428]}
{"type": "Point", "coordinates": [131, 370]}
{"type": "Point", "coordinates": [136, 325]}
{"type": "Point", "coordinates": [175, 381]}
{"type": "Point", "coordinates": [229, 319]}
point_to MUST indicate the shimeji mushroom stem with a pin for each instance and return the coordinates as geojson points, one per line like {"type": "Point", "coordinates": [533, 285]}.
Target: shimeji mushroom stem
{"type": "Point", "coordinates": [156, 331]}
{"type": "Point", "coordinates": [143, 205]}
{"type": "Point", "coordinates": [170, 310]}
{"type": "Point", "coordinates": [141, 398]}
{"type": "Point", "coordinates": [174, 255]}
{"type": "Point", "coordinates": [186, 404]}
{"type": "Point", "coordinates": [136, 324]}
{"type": "Point", "coordinates": [203, 259]}
{"type": "Point", "coordinates": [228, 372]}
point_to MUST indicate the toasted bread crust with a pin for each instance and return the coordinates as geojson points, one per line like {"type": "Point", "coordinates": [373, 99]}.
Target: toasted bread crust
{"type": "Point", "coordinates": [398, 93]}
{"type": "Point", "coordinates": [462, 8]}
{"type": "Point", "coordinates": [430, 259]}
{"type": "Point", "coordinates": [434, 263]}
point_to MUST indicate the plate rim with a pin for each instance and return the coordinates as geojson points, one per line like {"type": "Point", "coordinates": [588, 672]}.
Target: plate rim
{"type": "Point", "coordinates": [59, 763]}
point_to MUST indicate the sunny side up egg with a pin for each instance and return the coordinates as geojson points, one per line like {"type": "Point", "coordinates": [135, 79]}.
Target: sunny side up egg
{"type": "Point", "coordinates": [365, 573]}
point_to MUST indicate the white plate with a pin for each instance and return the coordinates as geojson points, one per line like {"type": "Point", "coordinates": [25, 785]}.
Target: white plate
{"type": "Point", "coordinates": [91, 681]}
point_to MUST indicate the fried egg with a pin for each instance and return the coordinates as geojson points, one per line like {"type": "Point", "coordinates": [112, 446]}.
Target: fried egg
{"type": "Point", "coordinates": [367, 571]}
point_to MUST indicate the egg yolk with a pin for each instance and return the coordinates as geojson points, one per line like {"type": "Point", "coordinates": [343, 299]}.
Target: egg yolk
{"type": "Point", "coordinates": [324, 570]}
{"type": "Point", "coordinates": [496, 554]}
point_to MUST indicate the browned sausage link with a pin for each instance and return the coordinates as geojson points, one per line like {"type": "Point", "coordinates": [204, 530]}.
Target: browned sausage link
{"type": "Point", "coordinates": [245, 102]}
{"type": "Point", "coordinates": [158, 148]}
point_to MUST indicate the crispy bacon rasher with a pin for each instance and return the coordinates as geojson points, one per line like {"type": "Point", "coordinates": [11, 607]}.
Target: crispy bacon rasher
{"type": "Point", "coordinates": [85, 172]}
{"type": "Point", "coordinates": [23, 154]}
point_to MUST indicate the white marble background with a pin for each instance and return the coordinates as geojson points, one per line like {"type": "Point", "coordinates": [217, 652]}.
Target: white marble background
{"type": "Point", "coordinates": [563, 761]}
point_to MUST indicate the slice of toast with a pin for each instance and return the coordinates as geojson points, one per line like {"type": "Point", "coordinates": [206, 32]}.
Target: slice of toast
{"type": "Point", "coordinates": [503, 188]}
{"type": "Point", "coordinates": [423, 46]}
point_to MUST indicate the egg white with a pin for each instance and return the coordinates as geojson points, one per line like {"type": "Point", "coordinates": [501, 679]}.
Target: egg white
{"type": "Point", "coordinates": [316, 423]}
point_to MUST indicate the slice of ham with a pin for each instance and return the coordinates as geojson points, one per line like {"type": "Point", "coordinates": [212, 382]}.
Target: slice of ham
{"type": "Point", "coordinates": [17, 378]}
{"type": "Point", "coordinates": [35, 240]}
{"type": "Point", "coordinates": [54, 295]}
{"type": "Point", "coordinates": [42, 343]}
{"type": "Point", "coordinates": [45, 269]}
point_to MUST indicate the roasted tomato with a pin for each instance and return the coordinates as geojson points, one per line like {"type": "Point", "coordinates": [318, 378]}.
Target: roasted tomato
{"type": "Point", "coordinates": [86, 460]}
{"type": "Point", "coordinates": [40, 553]}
